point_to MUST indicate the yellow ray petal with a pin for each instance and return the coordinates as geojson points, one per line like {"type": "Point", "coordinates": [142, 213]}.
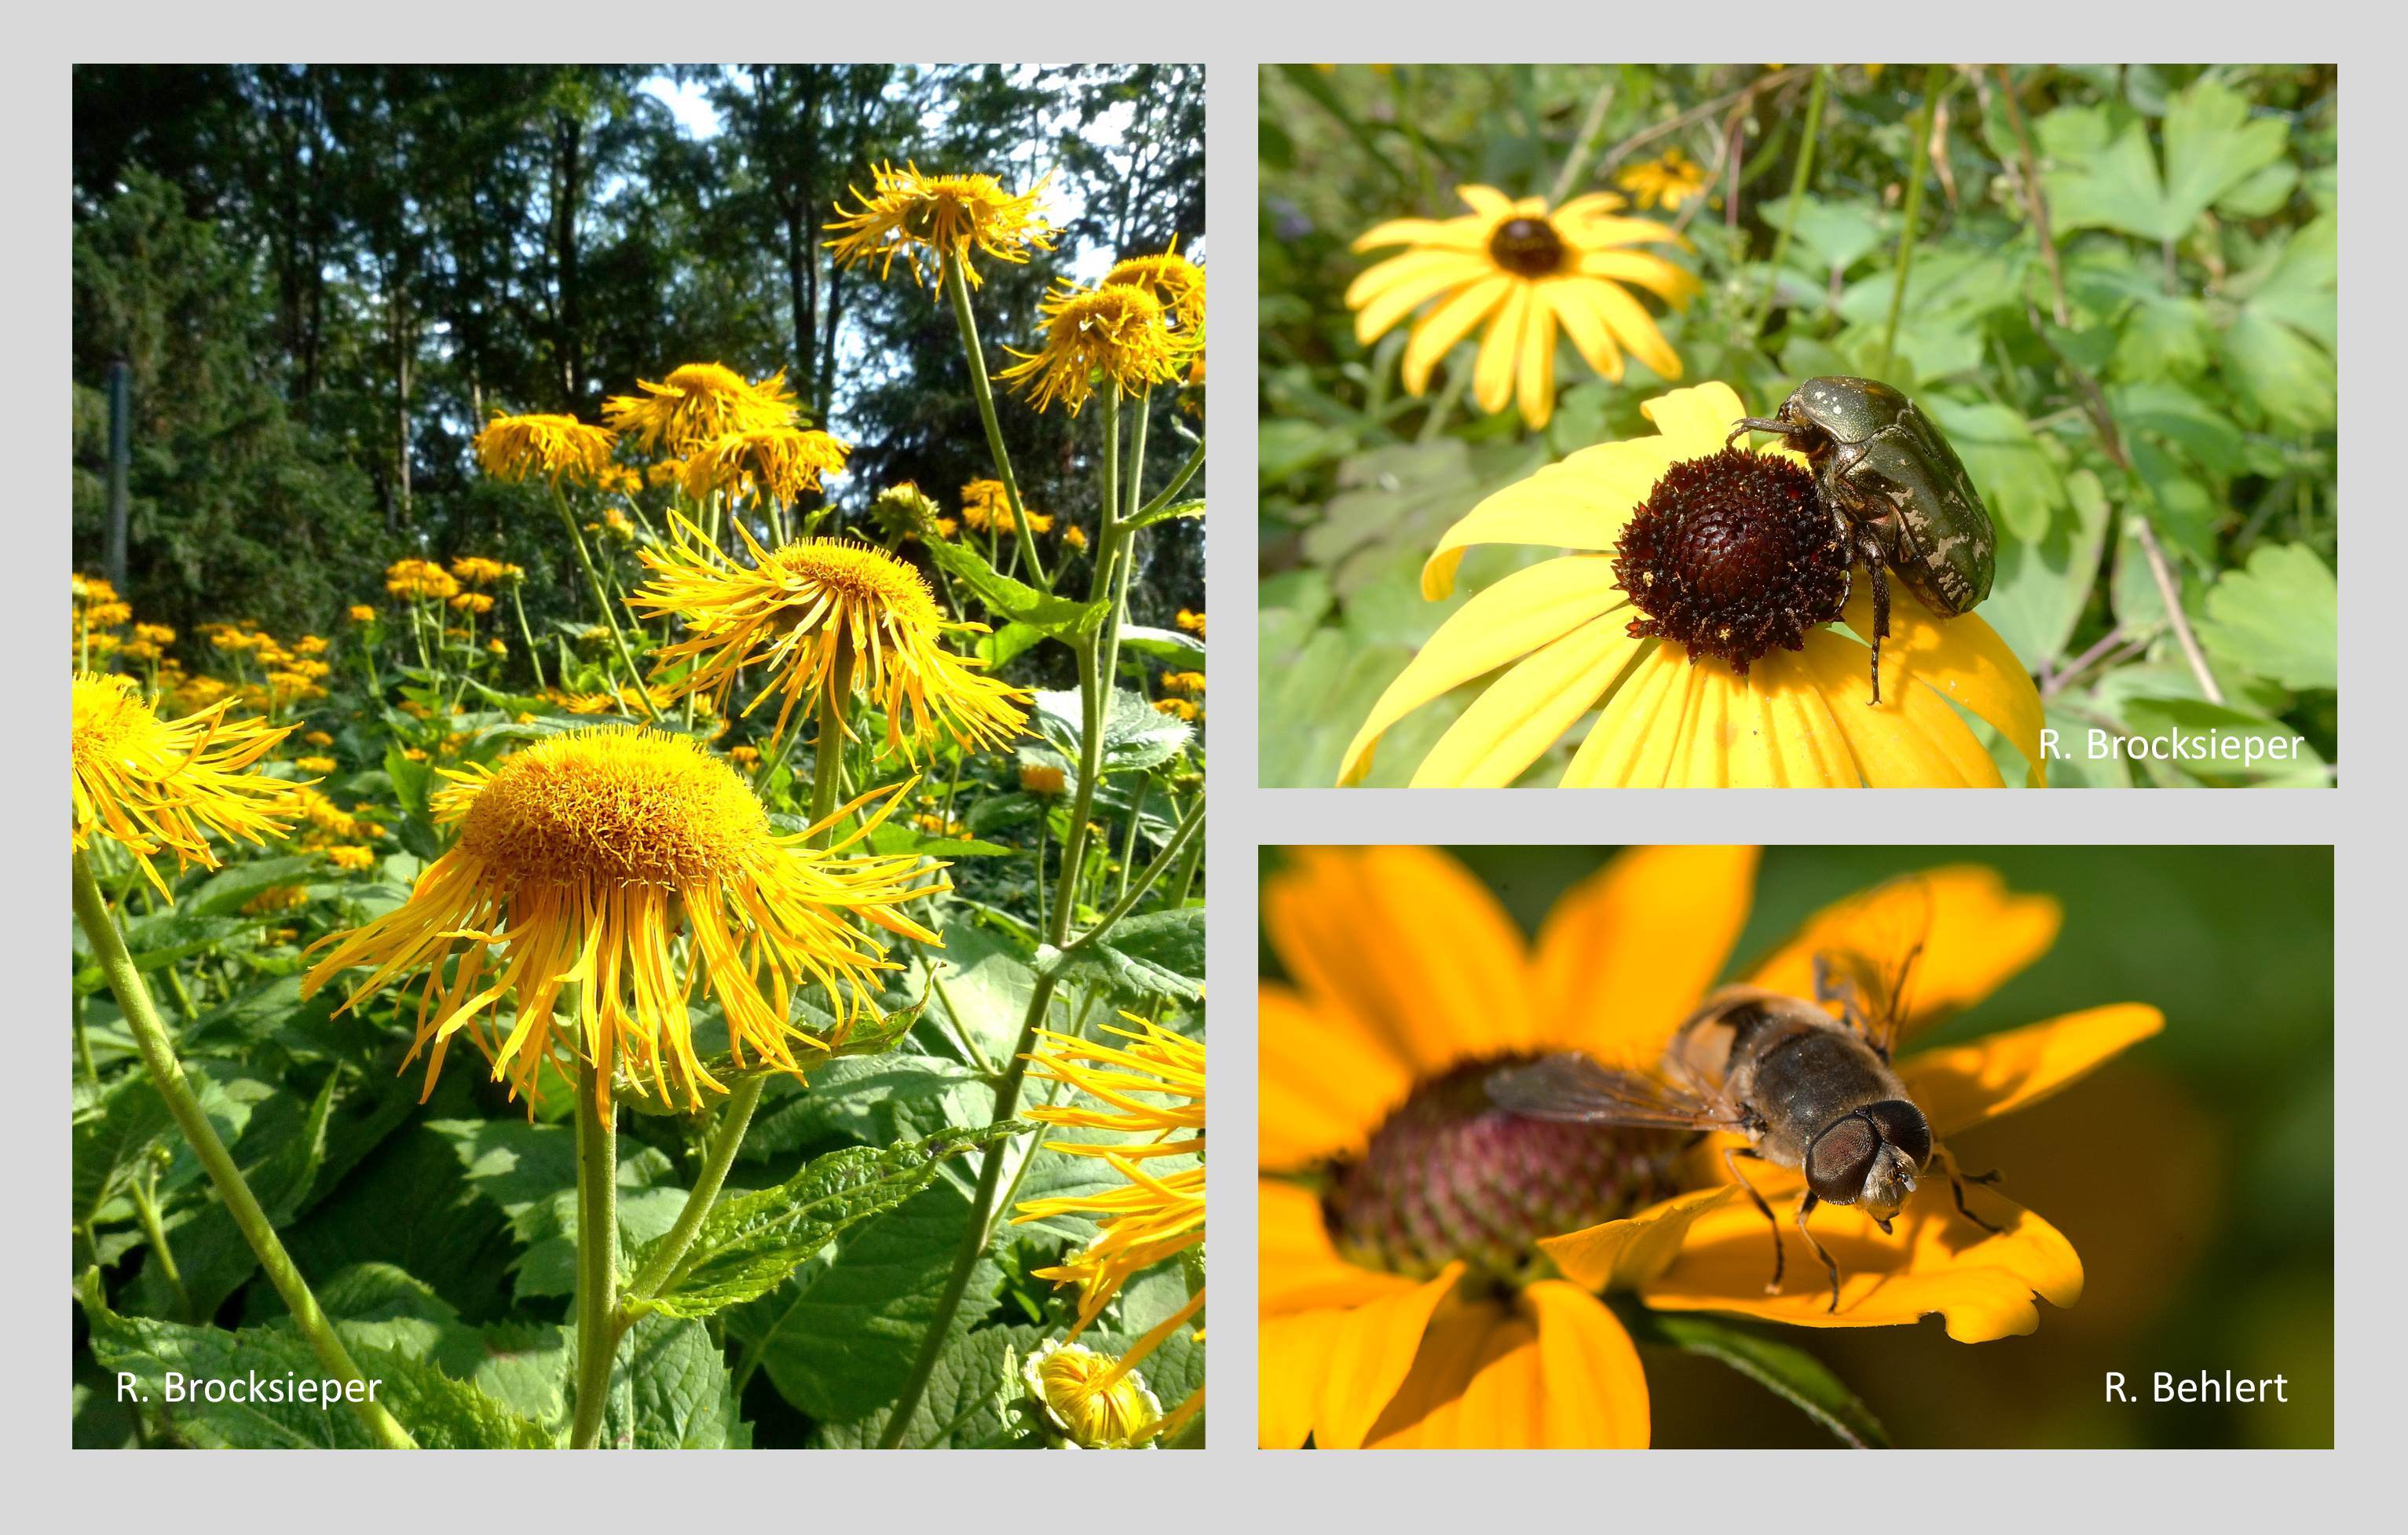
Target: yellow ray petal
{"type": "Point", "coordinates": [2004, 1071]}
{"type": "Point", "coordinates": [1694, 421]}
{"type": "Point", "coordinates": [1627, 953]}
{"type": "Point", "coordinates": [1631, 745]}
{"type": "Point", "coordinates": [1674, 285]}
{"type": "Point", "coordinates": [1454, 233]}
{"type": "Point", "coordinates": [1404, 938]}
{"type": "Point", "coordinates": [1587, 206]}
{"type": "Point", "coordinates": [1473, 1386]}
{"type": "Point", "coordinates": [1492, 377]}
{"type": "Point", "coordinates": [1394, 289]}
{"type": "Point", "coordinates": [1935, 1260]}
{"type": "Point", "coordinates": [1625, 1254]}
{"type": "Point", "coordinates": [1449, 323]}
{"type": "Point", "coordinates": [1910, 740]}
{"type": "Point", "coordinates": [1299, 1270]}
{"type": "Point", "coordinates": [1487, 201]}
{"type": "Point", "coordinates": [1528, 709]}
{"type": "Point", "coordinates": [1528, 609]}
{"type": "Point", "coordinates": [1582, 503]}
{"type": "Point", "coordinates": [1961, 659]}
{"type": "Point", "coordinates": [1978, 936]}
{"type": "Point", "coordinates": [1331, 1373]}
{"type": "Point", "coordinates": [1593, 232]}
{"type": "Point", "coordinates": [1534, 382]}
{"type": "Point", "coordinates": [1588, 331]}
{"type": "Point", "coordinates": [1327, 1083]}
{"type": "Point", "coordinates": [1812, 749]}
{"type": "Point", "coordinates": [1592, 1390]}
{"type": "Point", "coordinates": [1635, 327]}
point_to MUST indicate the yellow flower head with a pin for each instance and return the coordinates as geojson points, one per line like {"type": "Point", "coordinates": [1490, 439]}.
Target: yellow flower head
{"type": "Point", "coordinates": [1174, 279]}
{"type": "Point", "coordinates": [1667, 182]}
{"type": "Point", "coordinates": [1178, 708]}
{"type": "Point", "coordinates": [1119, 334]}
{"type": "Point", "coordinates": [1693, 613]}
{"type": "Point", "coordinates": [777, 464]}
{"type": "Point", "coordinates": [826, 619]}
{"type": "Point", "coordinates": [472, 602]}
{"type": "Point", "coordinates": [1075, 536]}
{"type": "Point", "coordinates": [157, 785]}
{"type": "Point", "coordinates": [987, 507]}
{"type": "Point", "coordinates": [1152, 1088]}
{"type": "Point", "coordinates": [319, 738]}
{"type": "Point", "coordinates": [1042, 778]}
{"type": "Point", "coordinates": [1404, 1195]}
{"type": "Point", "coordinates": [421, 579]}
{"type": "Point", "coordinates": [1183, 682]}
{"type": "Point", "coordinates": [513, 447]}
{"type": "Point", "coordinates": [477, 571]}
{"type": "Point", "coordinates": [637, 865]}
{"type": "Point", "coordinates": [698, 403]}
{"type": "Point", "coordinates": [902, 510]}
{"type": "Point", "coordinates": [1524, 271]}
{"type": "Point", "coordinates": [320, 765]}
{"type": "Point", "coordinates": [156, 633]}
{"type": "Point", "coordinates": [83, 589]}
{"type": "Point", "coordinates": [1192, 622]}
{"type": "Point", "coordinates": [362, 613]}
{"type": "Point", "coordinates": [351, 857]}
{"type": "Point", "coordinates": [946, 215]}
{"type": "Point", "coordinates": [1092, 1401]}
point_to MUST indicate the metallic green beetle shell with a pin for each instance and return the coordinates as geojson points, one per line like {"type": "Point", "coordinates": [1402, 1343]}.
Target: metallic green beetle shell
{"type": "Point", "coordinates": [1889, 467]}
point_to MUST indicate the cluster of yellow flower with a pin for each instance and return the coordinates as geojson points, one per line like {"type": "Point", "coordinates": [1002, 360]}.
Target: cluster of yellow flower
{"type": "Point", "coordinates": [986, 508]}
{"type": "Point", "coordinates": [420, 579]}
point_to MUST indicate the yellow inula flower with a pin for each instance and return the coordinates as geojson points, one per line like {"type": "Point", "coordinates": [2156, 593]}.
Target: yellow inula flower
{"type": "Point", "coordinates": [584, 859]}
{"type": "Point", "coordinates": [362, 613]}
{"type": "Point", "coordinates": [1178, 708]}
{"type": "Point", "coordinates": [697, 404]}
{"type": "Point", "coordinates": [472, 602]}
{"type": "Point", "coordinates": [157, 786]}
{"type": "Point", "coordinates": [422, 579]}
{"type": "Point", "coordinates": [1075, 536]}
{"type": "Point", "coordinates": [513, 448]}
{"type": "Point", "coordinates": [987, 507]}
{"type": "Point", "coordinates": [825, 618]}
{"type": "Point", "coordinates": [1693, 614]}
{"type": "Point", "coordinates": [1042, 778]}
{"type": "Point", "coordinates": [1171, 278]}
{"type": "Point", "coordinates": [938, 826]}
{"type": "Point", "coordinates": [777, 462]}
{"type": "Point", "coordinates": [1152, 1087]}
{"type": "Point", "coordinates": [1667, 182]}
{"type": "Point", "coordinates": [156, 633]}
{"type": "Point", "coordinates": [1192, 622]}
{"type": "Point", "coordinates": [477, 571]}
{"type": "Point", "coordinates": [1524, 271]}
{"type": "Point", "coordinates": [907, 213]}
{"type": "Point", "coordinates": [1091, 1401]}
{"type": "Point", "coordinates": [1121, 334]}
{"type": "Point", "coordinates": [1433, 1279]}
{"type": "Point", "coordinates": [1183, 682]}
{"type": "Point", "coordinates": [351, 857]}
{"type": "Point", "coordinates": [321, 765]}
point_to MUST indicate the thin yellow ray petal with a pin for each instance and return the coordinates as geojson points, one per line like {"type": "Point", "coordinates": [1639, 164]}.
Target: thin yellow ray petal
{"type": "Point", "coordinates": [1910, 739]}
{"type": "Point", "coordinates": [1528, 708]}
{"type": "Point", "coordinates": [1487, 201]}
{"type": "Point", "coordinates": [1592, 1388]}
{"type": "Point", "coordinates": [1625, 955]}
{"type": "Point", "coordinates": [2000, 1072]}
{"type": "Point", "coordinates": [1571, 303]}
{"type": "Point", "coordinates": [1535, 376]}
{"type": "Point", "coordinates": [1492, 377]}
{"type": "Point", "coordinates": [1449, 323]}
{"type": "Point", "coordinates": [1650, 699]}
{"type": "Point", "coordinates": [1635, 327]}
{"type": "Point", "coordinates": [1675, 285]}
{"type": "Point", "coordinates": [1408, 282]}
{"type": "Point", "coordinates": [1581, 503]}
{"type": "Point", "coordinates": [1695, 421]}
{"type": "Point", "coordinates": [1964, 660]}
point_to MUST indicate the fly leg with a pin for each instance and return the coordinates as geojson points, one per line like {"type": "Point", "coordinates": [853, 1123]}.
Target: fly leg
{"type": "Point", "coordinates": [1957, 1182]}
{"type": "Point", "coordinates": [1806, 1208]}
{"type": "Point", "coordinates": [1729, 1152]}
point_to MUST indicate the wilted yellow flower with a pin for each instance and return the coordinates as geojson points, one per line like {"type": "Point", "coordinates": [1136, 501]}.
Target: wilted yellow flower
{"type": "Point", "coordinates": [157, 785]}
{"type": "Point", "coordinates": [1092, 1401]}
{"type": "Point", "coordinates": [825, 618]}
{"type": "Point", "coordinates": [777, 462]}
{"type": "Point", "coordinates": [945, 216]}
{"type": "Point", "coordinates": [697, 404]}
{"type": "Point", "coordinates": [1171, 278]}
{"type": "Point", "coordinates": [1120, 334]}
{"type": "Point", "coordinates": [584, 858]}
{"type": "Point", "coordinates": [513, 448]}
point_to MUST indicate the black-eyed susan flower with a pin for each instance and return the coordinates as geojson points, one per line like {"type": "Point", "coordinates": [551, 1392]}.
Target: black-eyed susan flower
{"type": "Point", "coordinates": [906, 214]}
{"type": "Point", "coordinates": [1525, 272]}
{"type": "Point", "coordinates": [1669, 181]}
{"type": "Point", "coordinates": [1171, 278]}
{"type": "Point", "coordinates": [552, 448]}
{"type": "Point", "coordinates": [827, 619]}
{"type": "Point", "coordinates": [1693, 613]}
{"type": "Point", "coordinates": [1119, 336]}
{"type": "Point", "coordinates": [1089, 1400]}
{"type": "Point", "coordinates": [697, 404]}
{"type": "Point", "coordinates": [778, 464]}
{"type": "Point", "coordinates": [582, 859]}
{"type": "Point", "coordinates": [158, 784]}
{"type": "Point", "coordinates": [1439, 1283]}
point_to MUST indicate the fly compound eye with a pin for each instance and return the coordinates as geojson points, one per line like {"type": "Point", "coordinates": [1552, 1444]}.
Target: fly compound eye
{"type": "Point", "coordinates": [1840, 1159]}
{"type": "Point", "coordinates": [1903, 1126]}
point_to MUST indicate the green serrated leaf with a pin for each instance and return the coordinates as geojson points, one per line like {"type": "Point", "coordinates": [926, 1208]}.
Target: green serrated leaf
{"type": "Point", "coordinates": [1059, 617]}
{"type": "Point", "coordinates": [2277, 617]}
{"type": "Point", "coordinates": [1158, 954]}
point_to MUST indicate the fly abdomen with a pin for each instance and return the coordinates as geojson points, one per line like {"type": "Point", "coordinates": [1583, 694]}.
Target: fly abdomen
{"type": "Point", "coordinates": [1806, 1079]}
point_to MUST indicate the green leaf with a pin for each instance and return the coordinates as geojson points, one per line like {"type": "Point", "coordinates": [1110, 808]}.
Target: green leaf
{"type": "Point", "coordinates": [1148, 516]}
{"type": "Point", "coordinates": [2214, 148]}
{"type": "Point", "coordinates": [967, 1401]}
{"type": "Point", "coordinates": [1166, 645]}
{"type": "Point", "coordinates": [1137, 735]}
{"type": "Point", "coordinates": [894, 838]}
{"type": "Point", "coordinates": [1787, 1371]}
{"type": "Point", "coordinates": [2015, 476]}
{"type": "Point", "coordinates": [1158, 954]}
{"type": "Point", "coordinates": [223, 893]}
{"type": "Point", "coordinates": [671, 1389]}
{"type": "Point", "coordinates": [751, 1244]}
{"type": "Point", "coordinates": [873, 1100]}
{"type": "Point", "coordinates": [2197, 737]}
{"type": "Point", "coordinates": [2280, 370]}
{"type": "Point", "coordinates": [2277, 617]}
{"type": "Point", "coordinates": [1058, 617]}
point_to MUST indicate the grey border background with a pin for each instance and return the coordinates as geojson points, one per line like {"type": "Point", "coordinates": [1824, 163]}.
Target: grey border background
{"type": "Point", "coordinates": [1237, 1486]}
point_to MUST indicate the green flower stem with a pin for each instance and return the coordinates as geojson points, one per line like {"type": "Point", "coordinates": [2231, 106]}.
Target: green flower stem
{"type": "Point", "coordinates": [159, 1059]}
{"type": "Point", "coordinates": [719, 1154]}
{"type": "Point", "coordinates": [1586, 144]}
{"type": "Point", "coordinates": [1128, 844]}
{"type": "Point", "coordinates": [598, 1251]}
{"type": "Point", "coordinates": [1934, 77]}
{"type": "Point", "coordinates": [602, 599]}
{"type": "Point", "coordinates": [1797, 182]}
{"type": "Point", "coordinates": [535, 657]}
{"type": "Point", "coordinates": [1189, 828]}
{"type": "Point", "coordinates": [1187, 875]}
{"type": "Point", "coordinates": [146, 1209]}
{"type": "Point", "coordinates": [1194, 461]}
{"type": "Point", "coordinates": [957, 286]}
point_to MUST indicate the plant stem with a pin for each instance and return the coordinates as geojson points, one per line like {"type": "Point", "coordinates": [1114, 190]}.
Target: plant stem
{"type": "Point", "coordinates": [1920, 162]}
{"type": "Point", "coordinates": [602, 599]}
{"type": "Point", "coordinates": [957, 288]}
{"type": "Point", "coordinates": [1584, 147]}
{"type": "Point", "coordinates": [719, 1154]}
{"type": "Point", "coordinates": [146, 1209]}
{"type": "Point", "coordinates": [597, 1250]}
{"type": "Point", "coordinates": [1797, 182]}
{"type": "Point", "coordinates": [167, 1075]}
{"type": "Point", "coordinates": [535, 657]}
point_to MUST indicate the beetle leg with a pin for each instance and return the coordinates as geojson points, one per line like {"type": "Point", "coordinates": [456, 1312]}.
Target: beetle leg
{"type": "Point", "coordinates": [1806, 1208]}
{"type": "Point", "coordinates": [1957, 1182]}
{"type": "Point", "coordinates": [1756, 423]}
{"type": "Point", "coordinates": [1870, 550]}
{"type": "Point", "coordinates": [1769, 1219]}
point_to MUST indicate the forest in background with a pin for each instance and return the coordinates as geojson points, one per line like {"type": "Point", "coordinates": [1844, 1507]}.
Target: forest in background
{"type": "Point", "coordinates": [326, 279]}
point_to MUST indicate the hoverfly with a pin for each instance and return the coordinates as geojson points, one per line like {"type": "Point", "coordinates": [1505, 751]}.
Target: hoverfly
{"type": "Point", "coordinates": [1808, 1083]}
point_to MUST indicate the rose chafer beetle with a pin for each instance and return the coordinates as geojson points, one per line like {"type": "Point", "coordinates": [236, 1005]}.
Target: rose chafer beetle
{"type": "Point", "coordinates": [1901, 496]}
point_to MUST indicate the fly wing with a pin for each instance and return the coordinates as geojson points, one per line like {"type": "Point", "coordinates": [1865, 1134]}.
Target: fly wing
{"type": "Point", "coordinates": [1575, 1088]}
{"type": "Point", "coordinates": [1871, 976]}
